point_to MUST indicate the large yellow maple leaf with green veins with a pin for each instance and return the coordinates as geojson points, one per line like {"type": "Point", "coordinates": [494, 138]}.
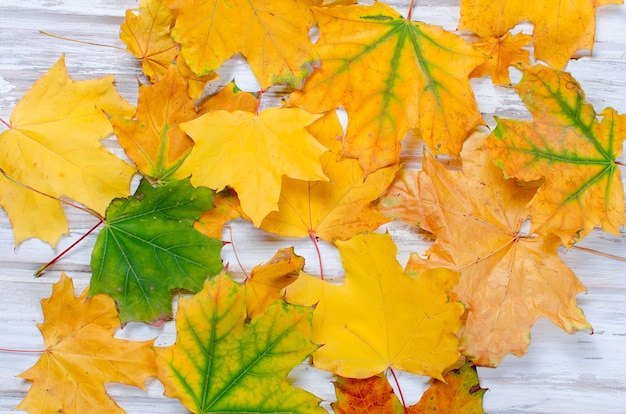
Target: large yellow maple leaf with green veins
{"type": "Point", "coordinates": [380, 317]}
{"type": "Point", "coordinates": [251, 153]}
{"type": "Point", "coordinates": [572, 148]}
{"type": "Point", "coordinates": [54, 146]}
{"type": "Point", "coordinates": [391, 75]}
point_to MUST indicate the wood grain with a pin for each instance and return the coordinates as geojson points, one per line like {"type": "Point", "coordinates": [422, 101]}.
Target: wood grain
{"type": "Point", "coordinates": [561, 374]}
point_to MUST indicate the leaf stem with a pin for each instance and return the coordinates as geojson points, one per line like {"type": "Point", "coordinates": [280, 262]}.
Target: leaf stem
{"type": "Point", "coordinates": [607, 255]}
{"type": "Point", "coordinates": [258, 102]}
{"type": "Point", "coordinates": [393, 374]}
{"type": "Point", "coordinates": [408, 15]}
{"type": "Point", "coordinates": [23, 351]}
{"type": "Point", "coordinates": [60, 255]}
{"type": "Point", "coordinates": [232, 243]}
{"type": "Point", "coordinates": [79, 41]}
{"type": "Point", "coordinates": [319, 254]}
{"type": "Point", "coordinates": [621, 164]}
{"type": "Point", "coordinates": [5, 123]}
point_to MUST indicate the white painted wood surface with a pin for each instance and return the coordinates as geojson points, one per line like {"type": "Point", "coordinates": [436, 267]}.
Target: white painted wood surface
{"type": "Point", "coordinates": [562, 373]}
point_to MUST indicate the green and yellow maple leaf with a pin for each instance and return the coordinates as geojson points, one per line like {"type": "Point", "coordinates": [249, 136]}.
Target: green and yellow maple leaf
{"type": "Point", "coordinates": [54, 147]}
{"type": "Point", "coordinates": [149, 247]}
{"type": "Point", "coordinates": [380, 317]}
{"type": "Point", "coordinates": [251, 153]}
{"type": "Point", "coordinates": [459, 392]}
{"type": "Point", "coordinates": [82, 355]}
{"type": "Point", "coordinates": [152, 139]}
{"type": "Point", "coordinates": [391, 75]}
{"type": "Point", "coordinates": [561, 28]}
{"type": "Point", "coordinates": [275, 42]}
{"type": "Point", "coordinates": [568, 146]}
{"type": "Point", "coordinates": [220, 363]}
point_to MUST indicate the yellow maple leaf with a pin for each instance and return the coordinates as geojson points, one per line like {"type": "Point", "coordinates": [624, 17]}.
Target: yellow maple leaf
{"type": "Point", "coordinates": [251, 153]}
{"type": "Point", "coordinates": [504, 51]}
{"type": "Point", "coordinates": [334, 210]}
{"type": "Point", "coordinates": [268, 280]}
{"type": "Point", "coordinates": [81, 355]}
{"type": "Point", "coordinates": [391, 75]}
{"type": "Point", "coordinates": [54, 146]}
{"type": "Point", "coordinates": [275, 40]}
{"type": "Point", "coordinates": [561, 27]}
{"type": "Point", "coordinates": [509, 278]}
{"type": "Point", "coordinates": [380, 317]}
{"type": "Point", "coordinates": [153, 139]}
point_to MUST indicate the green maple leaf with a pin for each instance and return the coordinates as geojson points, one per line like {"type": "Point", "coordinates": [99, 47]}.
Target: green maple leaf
{"type": "Point", "coordinates": [148, 247]}
{"type": "Point", "coordinates": [221, 363]}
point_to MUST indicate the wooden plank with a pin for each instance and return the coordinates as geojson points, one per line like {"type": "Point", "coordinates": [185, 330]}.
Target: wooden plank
{"type": "Point", "coordinates": [561, 373]}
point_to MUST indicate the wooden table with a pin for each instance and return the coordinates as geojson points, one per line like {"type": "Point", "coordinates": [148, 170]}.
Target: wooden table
{"type": "Point", "coordinates": [562, 373]}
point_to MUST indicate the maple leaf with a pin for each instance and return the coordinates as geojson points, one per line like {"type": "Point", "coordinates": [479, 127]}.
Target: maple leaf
{"type": "Point", "coordinates": [251, 153]}
{"type": "Point", "coordinates": [276, 40]}
{"type": "Point", "coordinates": [380, 317]}
{"type": "Point", "coordinates": [227, 208]}
{"type": "Point", "coordinates": [334, 210]}
{"type": "Point", "coordinates": [230, 98]}
{"type": "Point", "coordinates": [371, 395]}
{"type": "Point", "coordinates": [460, 392]}
{"type": "Point", "coordinates": [267, 281]}
{"type": "Point", "coordinates": [509, 279]}
{"type": "Point", "coordinates": [152, 139]}
{"type": "Point", "coordinates": [560, 27]}
{"type": "Point", "coordinates": [568, 146]}
{"type": "Point", "coordinates": [81, 355]}
{"type": "Point", "coordinates": [148, 247]}
{"type": "Point", "coordinates": [220, 363]}
{"type": "Point", "coordinates": [504, 51]}
{"type": "Point", "coordinates": [54, 147]}
{"type": "Point", "coordinates": [147, 35]}
{"type": "Point", "coordinates": [391, 75]}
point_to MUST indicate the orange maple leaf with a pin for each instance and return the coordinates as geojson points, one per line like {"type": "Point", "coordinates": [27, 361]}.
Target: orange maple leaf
{"type": "Point", "coordinates": [267, 281]}
{"type": "Point", "coordinates": [153, 139]}
{"type": "Point", "coordinates": [509, 279]}
{"type": "Point", "coordinates": [54, 147]}
{"type": "Point", "coordinates": [81, 355]}
{"type": "Point", "coordinates": [391, 75]}
{"type": "Point", "coordinates": [334, 210]}
{"type": "Point", "coordinates": [251, 153]}
{"type": "Point", "coordinates": [147, 35]}
{"type": "Point", "coordinates": [275, 42]}
{"type": "Point", "coordinates": [371, 395]}
{"type": "Point", "coordinates": [571, 148]}
{"type": "Point", "coordinates": [504, 51]}
{"type": "Point", "coordinates": [561, 27]}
